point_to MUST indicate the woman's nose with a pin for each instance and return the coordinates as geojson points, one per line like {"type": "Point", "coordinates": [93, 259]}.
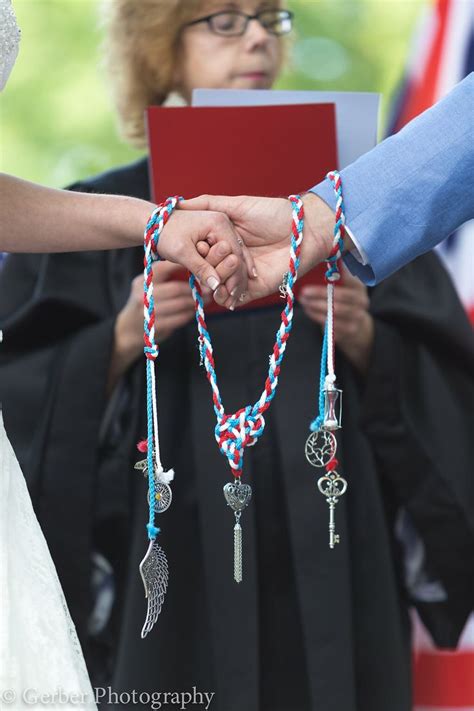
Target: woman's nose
{"type": "Point", "coordinates": [256, 34]}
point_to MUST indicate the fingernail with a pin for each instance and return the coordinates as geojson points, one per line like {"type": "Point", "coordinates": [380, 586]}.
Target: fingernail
{"type": "Point", "coordinates": [218, 294]}
{"type": "Point", "coordinates": [232, 293]}
{"type": "Point", "coordinates": [232, 307]}
{"type": "Point", "coordinates": [213, 283]}
{"type": "Point", "coordinates": [254, 272]}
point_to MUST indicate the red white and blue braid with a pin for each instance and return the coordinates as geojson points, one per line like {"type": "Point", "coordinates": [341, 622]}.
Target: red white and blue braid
{"type": "Point", "coordinates": [236, 431]}
{"type": "Point", "coordinates": [153, 230]}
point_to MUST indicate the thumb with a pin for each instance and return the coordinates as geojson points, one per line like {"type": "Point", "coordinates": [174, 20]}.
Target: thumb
{"type": "Point", "coordinates": [203, 271]}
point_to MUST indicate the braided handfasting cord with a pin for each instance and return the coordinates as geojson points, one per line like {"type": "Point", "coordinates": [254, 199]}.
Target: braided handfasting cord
{"type": "Point", "coordinates": [331, 276]}
{"type": "Point", "coordinates": [153, 230]}
{"type": "Point", "coordinates": [321, 444]}
{"type": "Point", "coordinates": [234, 432]}
{"type": "Point", "coordinates": [154, 566]}
{"type": "Point", "coordinates": [243, 428]}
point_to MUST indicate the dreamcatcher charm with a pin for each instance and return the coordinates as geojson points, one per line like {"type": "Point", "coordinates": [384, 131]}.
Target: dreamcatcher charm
{"type": "Point", "coordinates": [162, 497]}
{"type": "Point", "coordinates": [163, 494]}
{"type": "Point", "coordinates": [320, 448]}
{"type": "Point", "coordinates": [332, 486]}
{"type": "Point", "coordinates": [238, 498]}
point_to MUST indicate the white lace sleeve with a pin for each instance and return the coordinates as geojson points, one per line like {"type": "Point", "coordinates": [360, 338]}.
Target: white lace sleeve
{"type": "Point", "coordinates": [39, 649]}
{"type": "Point", "coordinates": [9, 41]}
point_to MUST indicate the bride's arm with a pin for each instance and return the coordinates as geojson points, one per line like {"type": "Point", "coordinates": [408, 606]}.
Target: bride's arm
{"type": "Point", "coordinates": [39, 219]}
{"type": "Point", "coordinates": [34, 218]}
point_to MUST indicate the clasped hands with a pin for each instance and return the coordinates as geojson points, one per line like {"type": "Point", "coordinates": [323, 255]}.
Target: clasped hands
{"type": "Point", "coordinates": [239, 247]}
{"type": "Point", "coordinates": [239, 250]}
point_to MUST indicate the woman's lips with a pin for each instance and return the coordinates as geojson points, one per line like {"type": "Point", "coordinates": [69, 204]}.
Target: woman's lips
{"type": "Point", "coordinates": [255, 76]}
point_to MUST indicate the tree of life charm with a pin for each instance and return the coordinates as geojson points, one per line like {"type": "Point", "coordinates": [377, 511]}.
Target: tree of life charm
{"type": "Point", "coordinates": [320, 448]}
{"type": "Point", "coordinates": [238, 498]}
{"type": "Point", "coordinates": [332, 486]}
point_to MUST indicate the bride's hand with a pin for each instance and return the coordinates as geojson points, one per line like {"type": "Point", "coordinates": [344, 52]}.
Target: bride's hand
{"type": "Point", "coordinates": [185, 229]}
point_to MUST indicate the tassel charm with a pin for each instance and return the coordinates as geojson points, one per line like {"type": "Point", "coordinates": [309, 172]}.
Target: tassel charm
{"type": "Point", "coordinates": [238, 498]}
{"type": "Point", "coordinates": [237, 550]}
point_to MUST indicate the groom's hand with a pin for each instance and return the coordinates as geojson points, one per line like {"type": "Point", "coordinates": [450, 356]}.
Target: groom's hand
{"type": "Point", "coordinates": [264, 225]}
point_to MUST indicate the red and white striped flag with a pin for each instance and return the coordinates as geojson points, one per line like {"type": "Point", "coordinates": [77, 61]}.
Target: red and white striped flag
{"type": "Point", "coordinates": [442, 55]}
{"type": "Point", "coordinates": [443, 680]}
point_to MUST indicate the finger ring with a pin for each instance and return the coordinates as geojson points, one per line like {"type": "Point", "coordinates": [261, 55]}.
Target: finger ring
{"type": "Point", "coordinates": [242, 296]}
{"type": "Point", "coordinates": [284, 285]}
{"type": "Point", "coordinates": [240, 241]}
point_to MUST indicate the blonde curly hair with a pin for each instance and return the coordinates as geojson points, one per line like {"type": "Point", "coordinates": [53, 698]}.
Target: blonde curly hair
{"type": "Point", "coordinates": [140, 55]}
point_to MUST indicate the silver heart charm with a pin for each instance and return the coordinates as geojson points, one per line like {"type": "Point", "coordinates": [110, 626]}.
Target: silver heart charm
{"type": "Point", "coordinates": [237, 495]}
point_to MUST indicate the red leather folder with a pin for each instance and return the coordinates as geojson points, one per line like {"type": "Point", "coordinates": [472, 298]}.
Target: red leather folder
{"type": "Point", "coordinates": [247, 150]}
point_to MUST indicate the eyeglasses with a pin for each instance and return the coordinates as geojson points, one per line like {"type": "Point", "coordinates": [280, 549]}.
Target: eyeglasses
{"type": "Point", "coordinates": [234, 23]}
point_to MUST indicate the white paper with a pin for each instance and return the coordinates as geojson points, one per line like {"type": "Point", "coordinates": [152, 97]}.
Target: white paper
{"type": "Point", "coordinates": [357, 113]}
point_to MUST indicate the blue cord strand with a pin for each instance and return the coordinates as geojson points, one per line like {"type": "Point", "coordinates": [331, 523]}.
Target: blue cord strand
{"type": "Point", "coordinates": [317, 423]}
{"type": "Point", "coordinates": [152, 530]}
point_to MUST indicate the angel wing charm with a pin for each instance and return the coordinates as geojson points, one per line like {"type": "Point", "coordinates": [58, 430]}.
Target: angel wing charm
{"type": "Point", "coordinates": [154, 572]}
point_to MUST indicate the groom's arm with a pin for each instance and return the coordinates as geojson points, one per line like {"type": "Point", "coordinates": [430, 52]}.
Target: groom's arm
{"type": "Point", "coordinates": [413, 189]}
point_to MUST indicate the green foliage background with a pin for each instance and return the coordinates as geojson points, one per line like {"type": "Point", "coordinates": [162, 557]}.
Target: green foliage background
{"type": "Point", "coordinates": [56, 119]}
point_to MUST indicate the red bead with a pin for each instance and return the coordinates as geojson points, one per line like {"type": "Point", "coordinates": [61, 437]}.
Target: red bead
{"type": "Point", "coordinates": [330, 466]}
{"type": "Point", "coordinates": [142, 446]}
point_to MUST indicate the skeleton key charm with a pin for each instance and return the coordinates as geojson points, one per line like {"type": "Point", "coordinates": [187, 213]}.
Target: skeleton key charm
{"type": "Point", "coordinates": [333, 536]}
{"type": "Point", "coordinates": [332, 486]}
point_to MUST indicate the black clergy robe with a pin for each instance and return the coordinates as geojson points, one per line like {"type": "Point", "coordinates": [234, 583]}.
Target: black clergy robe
{"type": "Point", "coordinates": [309, 627]}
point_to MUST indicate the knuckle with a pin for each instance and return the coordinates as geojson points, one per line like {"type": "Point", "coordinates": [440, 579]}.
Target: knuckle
{"type": "Point", "coordinates": [220, 220]}
{"type": "Point", "coordinates": [177, 288]}
{"type": "Point", "coordinates": [231, 262]}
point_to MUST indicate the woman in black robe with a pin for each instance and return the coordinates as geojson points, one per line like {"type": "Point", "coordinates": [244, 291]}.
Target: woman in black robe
{"type": "Point", "coordinates": [308, 628]}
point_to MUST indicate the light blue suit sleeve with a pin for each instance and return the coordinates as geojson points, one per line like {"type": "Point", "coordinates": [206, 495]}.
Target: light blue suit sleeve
{"type": "Point", "coordinates": [412, 190]}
